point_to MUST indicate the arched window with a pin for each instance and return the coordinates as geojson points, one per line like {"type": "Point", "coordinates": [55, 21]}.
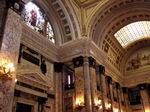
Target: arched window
{"type": "Point", "coordinates": [35, 18]}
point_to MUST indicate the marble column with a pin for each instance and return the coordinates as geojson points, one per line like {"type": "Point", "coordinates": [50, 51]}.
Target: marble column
{"type": "Point", "coordinates": [82, 83]}
{"type": "Point", "coordinates": [79, 83]}
{"type": "Point", "coordinates": [126, 99]}
{"type": "Point", "coordinates": [103, 83]}
{"type": "Point", "coordinates": [109, 80]}
{"type": "Point", "coordinates": [3, 14]}
{"type": "Point", "coordinates": [119, 96]}
{"type": "Point", "coordinates": [93, 83]}
{"type": "Point", "coordinates": [58, 69]}
{"type": "Point", "coordinates": [87, 87]}
{"type": "Point", "coordinates": [10, 44]}
{"type": "Point", "coordinates": [123, 107]}
{"type": "Point", "coordinates": [145, 97]}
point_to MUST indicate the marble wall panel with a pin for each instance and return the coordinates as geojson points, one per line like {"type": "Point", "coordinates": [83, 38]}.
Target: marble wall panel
{"type": "Point", "coordinates": [10, 44]}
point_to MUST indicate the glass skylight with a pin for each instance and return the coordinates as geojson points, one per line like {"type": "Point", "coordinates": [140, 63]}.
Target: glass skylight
{"type": "Point", "coordinates": [133, 32]}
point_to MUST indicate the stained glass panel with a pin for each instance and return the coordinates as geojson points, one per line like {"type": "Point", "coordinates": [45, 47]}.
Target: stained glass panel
{"type": "Point", "coordinates": [36, 19]}
{"type": "Point", "coordinates": [50, 33]}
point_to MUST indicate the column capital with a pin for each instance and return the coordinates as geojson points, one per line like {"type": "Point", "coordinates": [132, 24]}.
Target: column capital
{"type": "Point", "coordinates": [92, 62]}
{"type": "Point", "coordinates": [109, 79]}
{"type": "Point", "coordinates": [125, 89]}
{"type": "Point", "coordinates": [58, 67]}
{"type": "Point", "coordinates": [142, 86]}
{"type": "Point", "coordinates": [78, 62]}
{"type": "Point", "coordinates": [117, 85]}
{"type": "Point", "coordinates": [101, 69]}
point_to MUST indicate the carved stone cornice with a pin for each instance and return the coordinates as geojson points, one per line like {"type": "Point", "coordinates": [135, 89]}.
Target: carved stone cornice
{"type": "Point", "coordinates": [39, 43]}
{"type": "Point", "coordinates": [74, 49]}
{"type": "Point", "coordinates": [138, 79]}
{"type": "Point", "coordinates": [27, 78]}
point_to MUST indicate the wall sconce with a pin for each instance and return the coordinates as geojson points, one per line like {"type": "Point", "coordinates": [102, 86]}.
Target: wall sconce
{"type": "Point", "coordinates": [79, 104]}
{"type": "Point", "coordinates": [108, 106]}
{"type": "Point", "coordinates": [6, 68]}
{"type": "Point", "coordinates": [116, 110]}
{"type": "Point", "coordinates": [98, 104]}
{"type": "Point", "coordinates": [16, 80]}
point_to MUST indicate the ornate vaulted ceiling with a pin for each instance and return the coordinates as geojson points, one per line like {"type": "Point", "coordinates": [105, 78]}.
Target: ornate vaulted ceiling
{"type": "Point", "coordinates": [99, 20]}
{"type": "Point", "coordinates": [86, 3]}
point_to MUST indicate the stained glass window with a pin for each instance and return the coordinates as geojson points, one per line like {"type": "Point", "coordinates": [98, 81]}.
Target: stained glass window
{"type": "Point", "coordinates": [133, 32]}
{"type": "Point", "coordinates": [37, 20]}
{"type": "Point", "coordinates": [50, 33]}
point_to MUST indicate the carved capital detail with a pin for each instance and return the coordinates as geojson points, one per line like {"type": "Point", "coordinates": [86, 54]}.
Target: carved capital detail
{"type": "Point", "coordinates": [58, 67]}
{"type": "Point", "coordinates": [92, 62]}
{"type": "Point", "coordinates": [101, 69]}
{"type": "Point", "coordinates": [142, 86]}
{"type": "Point", "coordinates": [78, 61]}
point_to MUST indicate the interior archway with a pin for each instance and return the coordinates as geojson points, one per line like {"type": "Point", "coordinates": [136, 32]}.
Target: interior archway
{"type": "Point", "coordinates": [113, 18]}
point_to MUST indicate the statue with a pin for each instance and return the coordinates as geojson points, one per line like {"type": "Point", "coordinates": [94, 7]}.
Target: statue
{"type": "Point", "coordinates": [43, 67]}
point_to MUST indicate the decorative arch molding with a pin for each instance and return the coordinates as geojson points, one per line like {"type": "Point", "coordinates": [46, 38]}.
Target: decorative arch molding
{"type": "Point", "coordinates": [104, 12]}
{"type": "Point", "coordinates": [52, 17]}
{"type": "Point", "coordinates": [118, 22]}
{"type": "Point", "coordinates": [108, 37]}
{"type": "Point", "coordinates": [142, 43]}
{"type": "Point", "coordinates": [110, 20]}
{"type": "Point", "coordinates": [68, 22]}
{"type": "Point", "coordinates": [61, 20]}
{"type": "Point", "coordinates": [115, 15]}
